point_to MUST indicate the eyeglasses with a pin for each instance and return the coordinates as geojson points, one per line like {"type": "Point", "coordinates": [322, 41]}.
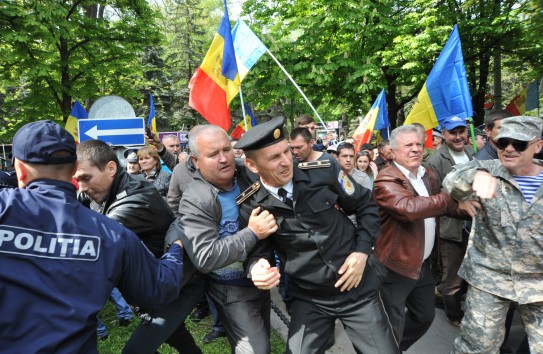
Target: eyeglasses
{"type": "Point", "coordinates": [518, 145]}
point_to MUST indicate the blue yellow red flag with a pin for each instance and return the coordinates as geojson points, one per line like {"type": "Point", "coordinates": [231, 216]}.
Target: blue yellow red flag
{"type": "Point", "coordinates": [525, 100]}
{"type": "Point", "coordinates": [241, 128]}
{"type": "Point", "coordinates": [376, 119]}
{"type": "Point", "coordinates": [151, 121]}
{"type": "Point", "coordinates": [247, 46]}
{"type": "Point", "coordinates": [216, 82]}
{"type": "Point", "coordinates": [78, 112]}
{"type": "Point", "coordinates": [445, 93]}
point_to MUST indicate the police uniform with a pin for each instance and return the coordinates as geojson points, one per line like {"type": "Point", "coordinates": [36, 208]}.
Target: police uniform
{"type": "Point", "coordinates": [61, 260]}
{"type": "Point", "coordinates": [313, 241]}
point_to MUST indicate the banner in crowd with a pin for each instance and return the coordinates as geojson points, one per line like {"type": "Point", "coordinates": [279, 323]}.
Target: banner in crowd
{"type": "Point", "coordinates": [78, 112]}
{"type": "Point", "coordinates": [216, 82]}
{"type": "Point", "coordinates": [247, 47]}
{"type": "Point", "coordinates": [525, 100]}
{"type": "Point", "coordinates": [446, 92]}
{"type": "Point", "coordinates": [376, 119]}
{"type": "Point", "coordinates": [241, 128]}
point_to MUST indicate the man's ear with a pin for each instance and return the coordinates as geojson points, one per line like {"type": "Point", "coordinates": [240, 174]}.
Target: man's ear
{"type": "Point", "coordinates": [22, 173]}
{"type": "Point", "coordinates": [251, 165]}
{"type": "Point", "coordinates": [195, 162]}
{"type": "Point", "coordinates": [111, 168]}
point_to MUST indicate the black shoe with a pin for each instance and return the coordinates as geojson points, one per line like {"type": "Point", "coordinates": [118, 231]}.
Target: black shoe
{"type": "Point", "coordinates": [124, 322]}
{"type": "Point", "coordinates": [198, 314]}
{"type": "Point", "coordinates": [212, 336]}
{"type": "Point", "coordinates": [103, 338]}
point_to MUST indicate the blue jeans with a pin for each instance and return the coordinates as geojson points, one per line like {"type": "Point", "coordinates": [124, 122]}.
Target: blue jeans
{"type": "Point", "coordinates": [123, 311]}
{"type": "Point", "coordinates": [217, 324]}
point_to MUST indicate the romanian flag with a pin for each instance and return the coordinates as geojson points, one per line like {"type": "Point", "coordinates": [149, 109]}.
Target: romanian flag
{"type": "Point", "coordinates": [445, 93]}
{"type": "Point", "coordinates": [525, 100]}
{"type": "Point", "coordinates": [151, 121]}
{"type": "Point", "coordinates": [216, 82]}
{"type": "Point", "coordinates": [376, 119]}
{"type": "Point", "coordinates": [78, 112]}
{"type": "Point", "coordinates": [241, 128]}
{"type": "Point", "coordinates": [248, 48]}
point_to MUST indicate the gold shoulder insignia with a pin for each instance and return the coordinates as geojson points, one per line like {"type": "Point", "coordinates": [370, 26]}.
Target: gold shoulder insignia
{"type": "Point", "coordinates": [314, 164]}
{"type": "Point", "coordinates": [247, 193]}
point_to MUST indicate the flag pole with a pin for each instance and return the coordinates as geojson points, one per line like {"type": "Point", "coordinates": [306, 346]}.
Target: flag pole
{"type": "Point", "coordinates": [243, 108]}
{"type": "Point", "coordinates": [472, 131]}
{"type": "Point", "coordinates": [299, 89]}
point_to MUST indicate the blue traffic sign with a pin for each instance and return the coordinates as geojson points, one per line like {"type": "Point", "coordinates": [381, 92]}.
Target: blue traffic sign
{"type": "Point", "coordinates": [116, 131]}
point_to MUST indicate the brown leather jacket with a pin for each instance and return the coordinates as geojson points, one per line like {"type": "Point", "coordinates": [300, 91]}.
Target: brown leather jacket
{"type": "Point", "coordinates": [400, 244]}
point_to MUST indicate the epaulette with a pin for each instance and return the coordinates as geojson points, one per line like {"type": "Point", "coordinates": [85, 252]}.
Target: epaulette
{"type": "Point", "coordinates": [314, 164]}
{"type": "Point", "coordinates": [247, 193]}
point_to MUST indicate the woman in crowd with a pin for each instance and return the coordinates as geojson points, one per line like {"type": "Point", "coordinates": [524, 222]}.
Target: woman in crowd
{"type": "Point", "coordinates": [363, 160]}
{"type": "Point", "coordinates": [152, 170]}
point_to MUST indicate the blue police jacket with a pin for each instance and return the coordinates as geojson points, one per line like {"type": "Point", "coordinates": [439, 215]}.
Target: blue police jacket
{"type": "Point", "coordinates": [59, 263]}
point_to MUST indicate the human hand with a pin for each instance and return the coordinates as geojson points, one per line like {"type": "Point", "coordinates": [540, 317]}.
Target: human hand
{"type": "Point", "coordinates": [264, 276]}
{"type": "Point", "coordinates": [154, 140]}
{"type": "Point", "coordinates": [484, 185]}
{"type": "Point", "coordinates": [470, 207]}
{"type": "Point", "coordinates": [262, 223]}
{"type": "Point", "coordinates": [351, 271]}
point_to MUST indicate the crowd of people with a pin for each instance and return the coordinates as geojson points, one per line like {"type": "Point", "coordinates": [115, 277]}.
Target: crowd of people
{"type": "Point", "coordinates": [370, 237]}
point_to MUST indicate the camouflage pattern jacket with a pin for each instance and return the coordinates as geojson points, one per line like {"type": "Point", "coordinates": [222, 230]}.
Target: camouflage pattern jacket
{"type": "Point", "coordinates": [505, 250]}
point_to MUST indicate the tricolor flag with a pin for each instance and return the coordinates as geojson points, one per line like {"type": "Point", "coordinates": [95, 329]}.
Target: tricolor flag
{"type": "Point", "coordinates": [241, 128]}
{"type": "Point", "coordinates": [216, 82]}
{"type": "Point", "coordinates": [445, 93]}
{"type": "Point", "coordinates": [247, 47]}
{"type": "Point", "coordinates": [525, 100]}
{"type": "Point", "coordinates": [376, 119]}
{"type": "Point", "coordinates": [78, 112]}
{"type": "Point", "coordinates": [151, 121]}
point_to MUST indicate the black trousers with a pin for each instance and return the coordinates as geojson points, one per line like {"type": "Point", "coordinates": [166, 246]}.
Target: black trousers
{"type": "Point", "coordinates": [361, 312]}
{"type": "Point", "coordinates": [409, 303]}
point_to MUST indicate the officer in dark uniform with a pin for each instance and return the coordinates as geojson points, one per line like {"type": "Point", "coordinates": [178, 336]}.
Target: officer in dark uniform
{"type": "Point", "coordinates": [61, 260]}
{"type": "Point", "coordinates": [322, 252]}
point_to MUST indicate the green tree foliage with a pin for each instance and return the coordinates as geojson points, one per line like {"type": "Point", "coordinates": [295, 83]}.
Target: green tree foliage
{"type": "Point", "coordinates": [54, 51]}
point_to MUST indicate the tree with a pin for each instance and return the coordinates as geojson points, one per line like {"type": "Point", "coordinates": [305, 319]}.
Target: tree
{"type": "Point", "coordinates": [54, 51]}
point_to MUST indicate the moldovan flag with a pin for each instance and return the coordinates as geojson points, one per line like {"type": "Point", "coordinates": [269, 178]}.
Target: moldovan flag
{"type": "Point", "coordinates": [248, 48]}
{"type": "Point", "coordinates": [376, 119]}
{"type": "Point", "coordinates": [525, 100]}
{"type": "Point", "coordinates": [445, 93]}
{"type": "Point", "coordinates": [241, 128]}
{"type": "Point", "coordinates": [216, 82]}
{"type": "Point", "coordinates": [151, 121]}
{"type": "Point", "coordinates": [78, 112]}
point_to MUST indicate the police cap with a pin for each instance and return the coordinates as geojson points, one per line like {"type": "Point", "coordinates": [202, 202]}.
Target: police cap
{"type": "Point", "coordinates": [262, 135]}
{"type": "Point", "coordinates": [38, 143]}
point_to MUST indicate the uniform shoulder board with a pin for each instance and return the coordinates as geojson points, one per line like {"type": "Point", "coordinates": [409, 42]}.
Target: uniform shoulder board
{"type": "Point", "coordinates": [247, 193]}
{"type": "Point", "coordinates": [314, 164]}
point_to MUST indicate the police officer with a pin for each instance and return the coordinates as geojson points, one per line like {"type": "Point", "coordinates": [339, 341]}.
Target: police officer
{"type": "Point", "coordinates": [61, 260]}
{"type": "Point", "coordinates": [323, 253]}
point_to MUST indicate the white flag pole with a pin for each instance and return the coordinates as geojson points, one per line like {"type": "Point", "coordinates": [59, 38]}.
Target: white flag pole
{"type": "Point", "coordinates": [243, 108]}
{"type": "Point", "coordinates": [299, 89]}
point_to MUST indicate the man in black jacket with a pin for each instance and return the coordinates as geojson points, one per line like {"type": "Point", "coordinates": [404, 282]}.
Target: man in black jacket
{"type": "Point", "coordinates": [136, 204]}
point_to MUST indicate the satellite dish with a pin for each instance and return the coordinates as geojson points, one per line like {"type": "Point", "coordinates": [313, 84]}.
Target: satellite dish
{"type": "Point", "coordinates": [111, 107]}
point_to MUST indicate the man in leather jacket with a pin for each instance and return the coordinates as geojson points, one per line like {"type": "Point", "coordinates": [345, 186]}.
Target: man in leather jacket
{"type": "Point", "coordinates": [409, 200]}
{"type": "Point", "coordinates": [136, 204]}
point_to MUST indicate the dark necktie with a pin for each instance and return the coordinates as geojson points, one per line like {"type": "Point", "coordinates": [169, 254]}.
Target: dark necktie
{"type": "Point", "coordinates": [283, 194]}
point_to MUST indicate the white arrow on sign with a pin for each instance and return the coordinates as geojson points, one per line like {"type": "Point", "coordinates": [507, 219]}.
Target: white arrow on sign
{"type": "Point", "coordinates": [95, 133]}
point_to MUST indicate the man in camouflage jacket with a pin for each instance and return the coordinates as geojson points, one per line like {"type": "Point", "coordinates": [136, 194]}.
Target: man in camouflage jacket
{"type": "Point", "coordinates": [504, 259]}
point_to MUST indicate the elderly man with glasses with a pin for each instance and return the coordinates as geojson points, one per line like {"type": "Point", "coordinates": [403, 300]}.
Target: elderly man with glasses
{"type": "Point", "coordinates": [503, 259]}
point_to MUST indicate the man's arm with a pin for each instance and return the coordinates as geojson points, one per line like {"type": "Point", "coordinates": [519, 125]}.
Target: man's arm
{"type": "Point", "coordinates": [202, 243]}
{"type": "Point", "coordinates": [471, 179]}
{"type": "Point", "coordinates": [146, 281]}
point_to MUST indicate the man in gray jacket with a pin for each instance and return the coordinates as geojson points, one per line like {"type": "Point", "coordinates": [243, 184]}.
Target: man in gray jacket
{"type": "Point", "coordinates": [453, 237]}
{"type": "Point", "coordinates": [208, 224]}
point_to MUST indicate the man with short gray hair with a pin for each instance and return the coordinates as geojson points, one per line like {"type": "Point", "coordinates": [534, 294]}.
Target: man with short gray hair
{"type": "Point", "coordinates": [410, 202]}
{"type": "Point", "coordinates": [503, 259]}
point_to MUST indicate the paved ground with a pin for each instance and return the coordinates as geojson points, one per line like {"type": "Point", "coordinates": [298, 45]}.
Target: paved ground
{"type": "Point", "coordinates": [438, 339]}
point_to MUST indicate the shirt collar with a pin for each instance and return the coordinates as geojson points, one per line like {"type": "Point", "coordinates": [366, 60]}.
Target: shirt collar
{"type": "Point", "coordinates": [420, 172]}
{"type": "Point", "coordinates": [274, 190]}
